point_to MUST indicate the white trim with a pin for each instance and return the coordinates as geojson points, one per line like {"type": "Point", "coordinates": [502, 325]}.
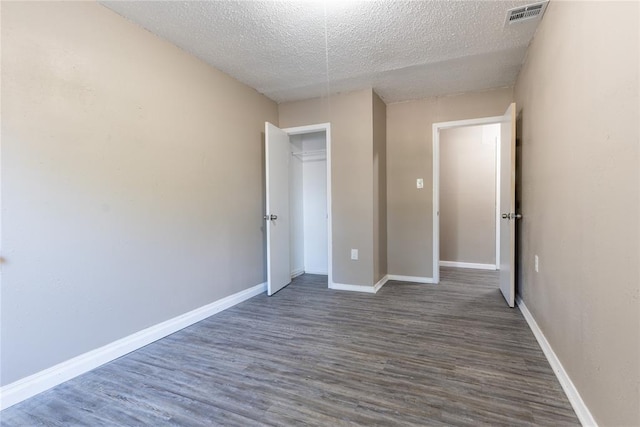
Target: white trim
{"type": "Point", "coordinates": [298, 272]}
{"type": "Point", "coordinates": [353, 288]}
{"type": "Point", "coordinates": [27, 387]}
{"type": "Point", "coordinates": [468, 265]}
{"type": "Point", "coordinates": [267, 204]}
{"type": "Point", "coordinates": [469, 122]}
{"type": "Point", "coordinates": [437, 127]}
{"type": "Point", "coordinates": [497, 213]}
{"type": "Point", "coordinates": [414, 279]}
{"type": "Point", "coordinates": [329, 208]}
{"type": "Point", "coordinates": [380, 283]}
{"type": "Point", "coordinates": [326, 127]}
{"type": "Point", "coordinates": [301, 130]}
{"type": "Point", "coordinates": [436, 203]}
{"type": "Point", "coordinates": [580, 408]}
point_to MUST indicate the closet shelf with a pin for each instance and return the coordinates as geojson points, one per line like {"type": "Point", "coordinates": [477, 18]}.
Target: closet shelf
{"type": "Point", "coordinates": [311, 155]}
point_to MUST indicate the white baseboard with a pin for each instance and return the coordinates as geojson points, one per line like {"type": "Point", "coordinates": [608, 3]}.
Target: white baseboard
{"type": "Point", "coordinates": [468, 265]}
{"type": "Point", "coordinates": [353, 288]}
{"type": "Point", "coordinates": [381, 283]}
{"type": "Point", "coordinates": [414, 279]}
{"type": "Point", "coordinates": [27, 387]}
{"type": "Point", "coordinates": [581, 409]}
{"type": "Point", "coordinates": [296, 273]}
{"type": "Point", "coordinates": [360, 288]}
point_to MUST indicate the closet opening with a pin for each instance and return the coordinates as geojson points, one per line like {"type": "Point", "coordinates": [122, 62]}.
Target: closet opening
{"type": "Point", "coordinates": [308, 206]}
{"type": "Point", "coordinates": [298, 204]}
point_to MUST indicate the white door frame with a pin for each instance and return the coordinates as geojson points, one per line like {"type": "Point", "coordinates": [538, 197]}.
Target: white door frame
{"type": "Point", "coordinates": [326, 127]}
{"type": "Point", "coordinates": [437, 127]}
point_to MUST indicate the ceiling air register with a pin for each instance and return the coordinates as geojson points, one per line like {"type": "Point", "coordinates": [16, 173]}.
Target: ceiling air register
{"type": "Point", "coordinates": [525, 13]}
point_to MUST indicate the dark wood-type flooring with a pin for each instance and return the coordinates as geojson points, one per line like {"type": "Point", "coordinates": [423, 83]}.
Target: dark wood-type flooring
{"type": "Point", "coordinates": [413, 354]}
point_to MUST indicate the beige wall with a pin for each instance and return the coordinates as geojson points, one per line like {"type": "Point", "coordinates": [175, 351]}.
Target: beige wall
{"type": "Point", "coordinates": [132, 182]}
{"type": "Point", "coordinates": [578, 101]}
{"type": "Point", "coordinates": [379, 188]}
{"type": "Point", "coordinates": [351, 120]}
{"type": "Point", "coordinates": [409, 146]}
{"type": "Point", "coordinates": [468, 194]}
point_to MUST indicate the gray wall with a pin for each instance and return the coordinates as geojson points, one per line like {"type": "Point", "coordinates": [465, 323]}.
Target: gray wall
{"type": "Point", "coordinates": [359, 201]}
{"type": "Point", "coordinates": [578, 102]}
{"type": "Point", "coordinates": [351, 118]}
{"type": "Point", "coordinates": [468, 194]}
{"type": "Point", "coordinates": [132, 182]}
{"type": "Point", "coordinates": [409, 146]}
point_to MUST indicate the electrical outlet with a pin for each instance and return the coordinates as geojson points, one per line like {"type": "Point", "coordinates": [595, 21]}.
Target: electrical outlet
{"type": "Point", "coordinates": [354, 254]}
{"type": "Point", "coordinates": [536, 263]}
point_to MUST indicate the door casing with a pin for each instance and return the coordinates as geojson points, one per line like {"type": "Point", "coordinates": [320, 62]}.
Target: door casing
{"type": "Point", "coordinates": [326, 128]}
{"type": "Point", "coordinates": [437, 127]}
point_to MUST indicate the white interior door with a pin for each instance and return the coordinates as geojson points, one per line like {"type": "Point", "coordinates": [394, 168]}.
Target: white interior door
{"type": "Point", "coordinates": [277, 156]}
{"type": "Point", "coordinates": [508, 204]}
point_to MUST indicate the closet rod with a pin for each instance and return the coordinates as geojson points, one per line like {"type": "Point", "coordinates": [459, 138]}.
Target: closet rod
{"type": "Point", "coordinates": [309, 153]}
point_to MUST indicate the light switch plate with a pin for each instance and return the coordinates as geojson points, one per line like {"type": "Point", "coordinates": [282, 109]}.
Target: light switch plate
{"type": "Point", "coordinates": [354, 254]}
{"type": "Point", "coordinates": [419, 183]}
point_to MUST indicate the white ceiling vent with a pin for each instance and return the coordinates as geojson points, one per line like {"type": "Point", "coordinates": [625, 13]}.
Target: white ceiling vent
{"type": "Point", "coordinates": [525, 13]}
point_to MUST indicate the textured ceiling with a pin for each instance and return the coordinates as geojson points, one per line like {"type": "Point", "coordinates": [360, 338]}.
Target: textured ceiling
{"type": "Point", "coordinates": [296, 50]}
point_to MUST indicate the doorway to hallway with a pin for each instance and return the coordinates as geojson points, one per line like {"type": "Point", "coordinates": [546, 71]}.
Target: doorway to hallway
{"type": "Point", "coordinates": [505, 196]}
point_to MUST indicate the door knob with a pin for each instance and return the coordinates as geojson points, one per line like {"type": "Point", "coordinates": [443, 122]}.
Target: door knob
{"type": "Point", "coordinates": [511, 216]}
{"type": "Point", "coordinates": [270, 217]}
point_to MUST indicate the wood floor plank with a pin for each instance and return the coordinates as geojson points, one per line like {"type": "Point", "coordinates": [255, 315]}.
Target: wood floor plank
{"type": "Point", "coordinates": [410, 355]}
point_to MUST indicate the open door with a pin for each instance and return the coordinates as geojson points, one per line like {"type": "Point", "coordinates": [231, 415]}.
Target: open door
{"type": "Point", "coordinates": [277, 155]}
{"type": "Point", "coordinates": [508, 204]}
